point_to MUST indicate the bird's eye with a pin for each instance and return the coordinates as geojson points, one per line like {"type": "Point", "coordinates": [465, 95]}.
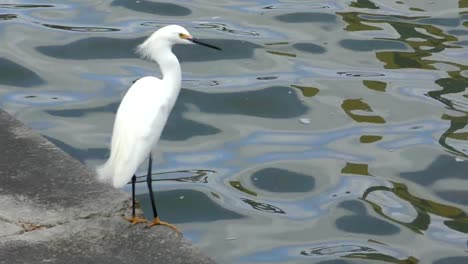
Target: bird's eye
{"type": "Point", "coordinates": [182, 36]}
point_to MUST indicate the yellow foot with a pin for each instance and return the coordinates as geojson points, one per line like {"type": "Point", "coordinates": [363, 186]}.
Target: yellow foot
{"type": "Point", "coordinates": [136, 220]}
{"type": "Point", "coordinates": [156, 221]}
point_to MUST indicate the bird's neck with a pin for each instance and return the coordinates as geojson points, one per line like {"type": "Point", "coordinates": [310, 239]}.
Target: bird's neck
{"type": "Point", "coordinates": [170, 67]}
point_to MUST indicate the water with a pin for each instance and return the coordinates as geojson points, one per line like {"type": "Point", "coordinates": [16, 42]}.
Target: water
{"type": "Point", "coordinates": [325, 132]}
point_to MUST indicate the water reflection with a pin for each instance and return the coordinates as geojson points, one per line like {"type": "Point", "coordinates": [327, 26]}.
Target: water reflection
{"type": "Point", "coordinates": [335, 252]}
{"type": "Point", "coordinates": [118, 48]}
{"type": "Point", "coordinates": [310, 47]}
{"type": "Point", "coordinates": [263, 207]}
{"type": "Point", "coordinates": [444, 167]}
{"type": "Point", "coordinates": [386, 169]}
{"type": "Point", "coordinates": [452, 260]}
{"type": "Point", "coordinates": [303, 17]}
{"type": "Point", "coordinates": [361, 222]}
{"type": "Point", "coordinates": [156, 8]}
{"type": "Point", "coordinates": [364, 4]}
{"type": "Point", "coordinates": [281, 180]}
{"type": "Point", "coordinates": [81, 29]}
{"type": "Point", "coordinates": [24, 6]}
{"type": "Point", "coordinates": [14, 74]}
{"type": "Point", "coordinates": [183, 205]}
{"type": "Point", "coordinates": [371, 45]}
{"type": "Point", "coordinates": [8, 16]}
{"type": "Point", "coordinates": [186, 176]}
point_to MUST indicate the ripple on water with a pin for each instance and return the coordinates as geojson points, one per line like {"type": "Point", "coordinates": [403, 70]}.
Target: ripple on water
{"type": "Point", "coordinates": [81, 29]}
{"type": "Point", "coordinates": [38, 98]}
{"type": "Point", "coordinates": [328, 252]}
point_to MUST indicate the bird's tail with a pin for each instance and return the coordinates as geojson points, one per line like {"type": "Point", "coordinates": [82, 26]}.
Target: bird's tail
{"type": "Point", "coordinates": [105, 172]}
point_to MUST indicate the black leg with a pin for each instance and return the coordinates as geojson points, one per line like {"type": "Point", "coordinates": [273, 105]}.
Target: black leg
{"type": "Point", "coordinates": [133, 195]}
{"type": "Point", "coordinates": [149, 181]}
{"type": "Point", "coordinates": [134, 219]}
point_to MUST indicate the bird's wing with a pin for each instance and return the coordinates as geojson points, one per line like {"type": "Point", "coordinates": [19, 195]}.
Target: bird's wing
{"type": "Point", "coordinates": [138, 125]}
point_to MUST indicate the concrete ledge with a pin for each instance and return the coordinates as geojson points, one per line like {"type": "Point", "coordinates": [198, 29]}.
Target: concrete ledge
{"type": "Point", "coordinates": [53, 210]}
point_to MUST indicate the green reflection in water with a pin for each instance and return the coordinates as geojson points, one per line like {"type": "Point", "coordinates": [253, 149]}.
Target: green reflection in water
{"type": "Point", "coordinates": [364, 4]}
{"type": "Point", "coordinates": [455, 85]}
{"type": "Point", "coordinates": [369, 138]}
{"type": "Point", "coordinates": [276, 43]}
{"type": "Point", "coordinates": [281, 53]}
{"type": "Point", "coordinates": [350, 105]}
{"type": "Point", "coordinates": [458, 218]}
{"type": "Point", "coordinates": [462, 3]}
{"type": "Point", "coordinates": [375, 85]}
{"type": "Point", "coordinates": [237, 185]}
{"type": "Point", "coordinates": [356, 168]}
{"type": "Point", "coordinates": [307, 91]}
{"type": "Point", "coordinates": [424, 39]}
{"type": "Point", "coordinates": [417, 9]}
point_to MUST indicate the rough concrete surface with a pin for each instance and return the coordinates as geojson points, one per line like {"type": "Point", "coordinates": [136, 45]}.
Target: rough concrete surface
{"type": "Point", "coordinates": [53, 210]}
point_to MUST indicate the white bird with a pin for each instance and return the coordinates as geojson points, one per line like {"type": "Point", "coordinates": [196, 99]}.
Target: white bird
{"type": "Point", "coordinates": [143, 112]}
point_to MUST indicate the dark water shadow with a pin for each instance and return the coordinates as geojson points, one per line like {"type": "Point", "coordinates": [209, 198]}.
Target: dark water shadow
{"type": "Point", "coordinates": [444, 167]}
{"type": "Point", "coordinates": [16, 75]}
{"type": "Point", "coordinates": [23, 6]}
{"type": "Point", "coordinates": [281, 180]}
{"type": "Point", "coordinates": [362, 223]}
{"type": "Point", "coordinates": [310, 48]}
{"type": "Point", "coordinates": [156, 8]}
{"type": "Point", "coordinates": [117, 48]}
{"type": "Point", "coordinates": [452, 260]}
{"type": "Point", "coordinates": [186, 206]}
{"type": "Point", "coordinates": [302, 17]}
{"type": "Point", "coordinates": [335, 261]}
{"type": "Point", "coordinates": [81, 29]}
{"type": "Point", "coordinates": [8, 16]}
{"type": "Point", "coordinates": [364, 4]}
{"type": "Point", "coordinates": [371, 45]}
{"type": "Point", "coordinates": [454, 196]}
{"type": "Point", "coordinates": [272, 102]}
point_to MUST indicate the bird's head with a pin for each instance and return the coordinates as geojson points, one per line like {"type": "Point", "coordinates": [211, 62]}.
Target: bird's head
{"type": "Point", "coordinates": [168, 36]}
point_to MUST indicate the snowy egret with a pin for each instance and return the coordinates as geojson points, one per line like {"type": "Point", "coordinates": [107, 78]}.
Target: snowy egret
{"type": "Point", "coordinates": [142, 114]}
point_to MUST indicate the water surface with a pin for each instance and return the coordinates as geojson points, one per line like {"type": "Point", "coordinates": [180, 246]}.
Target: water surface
{"type": "Point", "coordinates": [325, 132]}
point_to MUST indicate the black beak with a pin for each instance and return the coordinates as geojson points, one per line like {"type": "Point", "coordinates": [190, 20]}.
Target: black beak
{"type": "Point", "coordinates": [194, 40]}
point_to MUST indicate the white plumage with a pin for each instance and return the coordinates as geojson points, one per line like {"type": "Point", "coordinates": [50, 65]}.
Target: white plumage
{"type": "Point", "coordinates": [138, 125]}
{"type": "Point", "coordinates": [144, 110]}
